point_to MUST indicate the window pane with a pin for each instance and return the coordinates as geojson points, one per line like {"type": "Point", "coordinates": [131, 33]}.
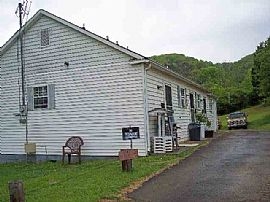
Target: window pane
{"type": "Point", "coordinates": [182, 91]}
{"type": "Point", "coordinates": [40, 97]}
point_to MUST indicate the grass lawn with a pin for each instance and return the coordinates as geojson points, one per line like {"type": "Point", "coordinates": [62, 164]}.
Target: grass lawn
{"type": "Point", "coordinates": [258, 118]}
{"type": "Point", "coordinates": [93, 180]}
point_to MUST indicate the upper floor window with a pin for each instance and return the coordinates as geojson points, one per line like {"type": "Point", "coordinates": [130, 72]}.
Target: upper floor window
{"type": "Point", "coordinates": [45, 37]}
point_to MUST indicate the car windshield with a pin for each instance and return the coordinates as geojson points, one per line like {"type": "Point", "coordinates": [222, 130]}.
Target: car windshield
{"type": "Point", "coordinates": [236, 115]}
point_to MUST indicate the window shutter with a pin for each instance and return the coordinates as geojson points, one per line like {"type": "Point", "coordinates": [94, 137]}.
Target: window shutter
{"type": "Point", "coordinates": [30, 99]}
{"type": "Point", "coordinates": [178, 96]}
{"type": "Point", "coordinates": [51, 103]}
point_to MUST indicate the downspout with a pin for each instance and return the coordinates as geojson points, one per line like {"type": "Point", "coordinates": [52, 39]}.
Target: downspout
{"type": "Point", "coordinates": [145, 100]}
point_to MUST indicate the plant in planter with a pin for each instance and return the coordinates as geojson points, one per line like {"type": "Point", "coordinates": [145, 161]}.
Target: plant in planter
{"type": "Point", "coordinates": [202, 118]}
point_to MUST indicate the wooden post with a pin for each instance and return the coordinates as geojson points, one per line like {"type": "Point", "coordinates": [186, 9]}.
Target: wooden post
{"type": "Point", "coordinates": [16, 192]}
{"type": "Point", "coordinates": [126, 156]}
{"type": "Point", "coordinates": [127, 165]}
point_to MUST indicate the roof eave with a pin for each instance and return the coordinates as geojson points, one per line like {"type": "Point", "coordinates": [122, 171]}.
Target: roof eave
{"type": "Point", "coordinates": [161, 68]}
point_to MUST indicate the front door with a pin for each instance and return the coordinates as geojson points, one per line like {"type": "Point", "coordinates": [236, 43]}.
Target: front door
{"type": "Point", "coordinates": [204, 105]}
{"type": "Point", "coordinates": [192, 109]}
{"type": "Point", "coordinates": [168, 97]}
{"type": "Point", "coordinates": [169, 119]}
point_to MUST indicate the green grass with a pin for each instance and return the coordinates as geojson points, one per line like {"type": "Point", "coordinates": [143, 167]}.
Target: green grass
{"type": "Point", "coordinates": [90, 181]}
{"type": "Point", "coordinates": [258, 118]}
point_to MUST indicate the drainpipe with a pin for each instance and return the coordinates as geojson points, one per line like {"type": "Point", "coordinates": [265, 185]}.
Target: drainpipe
{"type": "Point", "coordinates": [147, 66]}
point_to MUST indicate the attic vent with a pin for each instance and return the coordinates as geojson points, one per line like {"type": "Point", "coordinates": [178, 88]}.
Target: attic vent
{"type": "Point", "coordinates": [44, 37]}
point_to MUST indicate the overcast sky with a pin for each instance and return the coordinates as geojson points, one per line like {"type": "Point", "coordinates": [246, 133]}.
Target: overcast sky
{"type": "Point", "coordinates": [211, 30]}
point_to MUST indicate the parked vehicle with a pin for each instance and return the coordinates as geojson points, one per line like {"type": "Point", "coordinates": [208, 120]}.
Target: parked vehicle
{"type": "Point", "coordinates": [237, 120]}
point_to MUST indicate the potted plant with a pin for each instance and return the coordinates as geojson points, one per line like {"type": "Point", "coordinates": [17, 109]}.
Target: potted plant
{"type": "Point", "coordinates": [204, 123]}
{"type": "Point", "coordinates": [202, 119]}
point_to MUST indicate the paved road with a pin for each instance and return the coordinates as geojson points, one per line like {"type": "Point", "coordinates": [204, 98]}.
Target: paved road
{"type": "Point", "coordinates": [233, 167]}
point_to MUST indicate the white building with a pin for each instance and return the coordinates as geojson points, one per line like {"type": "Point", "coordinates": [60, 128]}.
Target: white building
{"type": "Point", "coordinates": [78, 83]}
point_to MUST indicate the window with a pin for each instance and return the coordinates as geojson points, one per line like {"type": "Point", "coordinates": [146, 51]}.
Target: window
{"type": "Point", "coordinates": [183, 97]}
{"type": "Point", "coordinates": [211, 106]}
{"type": "Point", "coordinates": [198, 98]}
{"type": "Point", "coordinates": [44, 37]}
{"type": "Point", "coordinates": [40, 97]}
{"type": "Point", "coordinates": [181, 92]}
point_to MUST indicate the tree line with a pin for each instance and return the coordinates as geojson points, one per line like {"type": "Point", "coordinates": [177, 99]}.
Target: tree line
{"type": "Point", "coordinates": [236, 85]}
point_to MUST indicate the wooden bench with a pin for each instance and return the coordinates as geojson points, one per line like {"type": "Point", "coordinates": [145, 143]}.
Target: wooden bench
{"type": "Point", "coordinates": [72, 146]}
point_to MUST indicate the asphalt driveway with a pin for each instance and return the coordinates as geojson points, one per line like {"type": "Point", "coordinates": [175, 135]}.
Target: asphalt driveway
{"type": "Point", "coordinates": [233, 167]}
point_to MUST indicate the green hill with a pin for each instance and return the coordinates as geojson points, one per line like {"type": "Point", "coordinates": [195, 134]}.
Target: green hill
{"type": "Point", "coordinates": [181, 64]}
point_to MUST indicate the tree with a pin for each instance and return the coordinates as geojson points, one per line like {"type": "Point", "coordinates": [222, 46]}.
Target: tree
{"type": "Point", "coordinates": [230, 82]}
{"type": "Point", "coordinates": [261, 71]}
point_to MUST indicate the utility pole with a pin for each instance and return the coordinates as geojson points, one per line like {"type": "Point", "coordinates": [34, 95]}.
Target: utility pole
{"type": "Point", "coordinates": [23, 10]}
{"type": "Point", "coordinates": [22, 61]}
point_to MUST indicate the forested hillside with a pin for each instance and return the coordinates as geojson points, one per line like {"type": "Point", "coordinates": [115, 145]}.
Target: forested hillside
{"type": "Point", "coordinates": [231, 82]}
{"type": "Point", "coordinates": [182, 64]}
{"type": "Point", "coordinates": [261, 72]}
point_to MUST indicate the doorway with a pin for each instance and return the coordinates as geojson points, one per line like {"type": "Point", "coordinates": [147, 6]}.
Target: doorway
{"type": "Point", "coordinates": [169, 120]}
{"type": "Point", "coordinates": [168, 97]}
{"type": "Point", "coordinates": [192, 109]}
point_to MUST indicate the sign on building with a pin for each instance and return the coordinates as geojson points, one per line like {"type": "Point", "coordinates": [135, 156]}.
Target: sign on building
{"type": "Point", "coordinates": [130, 133]}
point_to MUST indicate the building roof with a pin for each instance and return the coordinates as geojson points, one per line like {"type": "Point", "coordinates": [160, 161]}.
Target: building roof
{"type": "Point", "coordinates": [138, 58]}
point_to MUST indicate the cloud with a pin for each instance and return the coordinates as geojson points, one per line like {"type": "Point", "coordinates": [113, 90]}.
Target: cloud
{"type": "Point", "coordinates": [213, 30]}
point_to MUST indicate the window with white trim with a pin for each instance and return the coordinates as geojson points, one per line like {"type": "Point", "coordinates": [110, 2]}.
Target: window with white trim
{"type": "Point", "coordinates": [40, 97]}
{"type": "Point", "coordinates": [44, 37]}
{"type": "Point", "coordinates": [198, 101]}
{"type": "Point", "coordinates": [211, 105]}
{"type": "Point", "coordinates": [182, 101]}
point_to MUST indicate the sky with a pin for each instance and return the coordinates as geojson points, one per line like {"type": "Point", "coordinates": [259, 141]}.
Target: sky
{"type": "Point", "coordinates": [210, 30]}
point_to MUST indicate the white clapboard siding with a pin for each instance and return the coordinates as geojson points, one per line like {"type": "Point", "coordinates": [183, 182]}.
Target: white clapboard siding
{"type": "Point", "coordinates": [1, 111]}
{"type": "Point", "coordinates": [97, 95]}
{"type": "Point", "coordinates": [182, 116]}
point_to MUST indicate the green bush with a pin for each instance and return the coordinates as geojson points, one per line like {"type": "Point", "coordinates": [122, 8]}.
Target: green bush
{"type": "Point", "coordinates": [266, 102]}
